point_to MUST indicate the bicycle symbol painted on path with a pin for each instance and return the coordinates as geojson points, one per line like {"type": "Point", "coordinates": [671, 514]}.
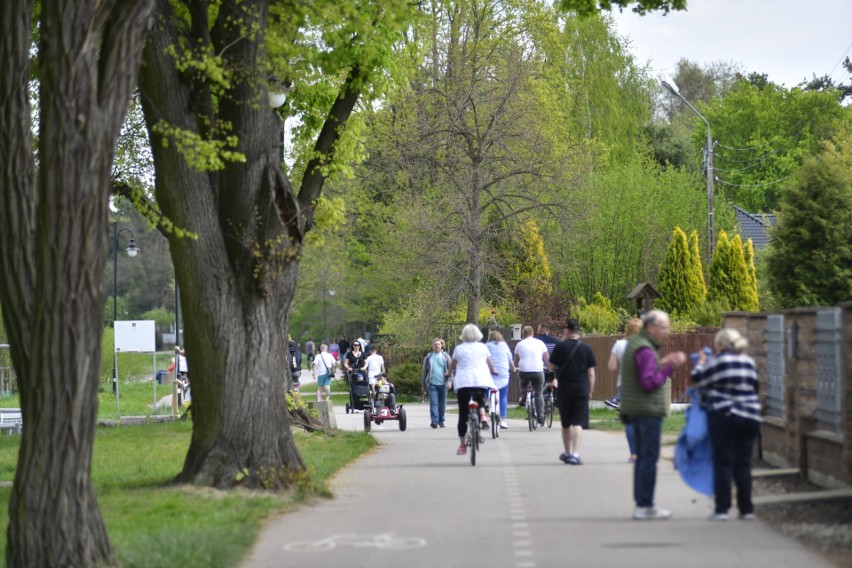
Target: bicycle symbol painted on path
{"type": "Point", "coordinates": [385, 541]}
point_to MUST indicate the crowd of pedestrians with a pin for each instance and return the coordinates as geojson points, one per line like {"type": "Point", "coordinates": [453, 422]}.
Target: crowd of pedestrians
{"type": "Point", "coordinates": [726, 384]}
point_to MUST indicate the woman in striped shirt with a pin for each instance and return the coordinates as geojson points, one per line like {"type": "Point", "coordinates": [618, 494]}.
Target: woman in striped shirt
{"type": "Point", "coordinates": [727, 383]}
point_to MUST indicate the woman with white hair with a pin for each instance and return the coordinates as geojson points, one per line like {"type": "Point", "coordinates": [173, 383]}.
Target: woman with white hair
{"type": "Point", "coordinates": [727, 384]}
{"type": "Point", "coordinates": [472, 370]}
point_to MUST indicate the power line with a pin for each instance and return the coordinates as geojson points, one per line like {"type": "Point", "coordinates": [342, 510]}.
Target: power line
{"type": "Point", "coordinates": [773, 182]}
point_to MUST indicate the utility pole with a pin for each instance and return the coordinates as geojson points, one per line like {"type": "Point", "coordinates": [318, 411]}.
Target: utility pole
{"type": "Point", "coordinates": [708, 159]}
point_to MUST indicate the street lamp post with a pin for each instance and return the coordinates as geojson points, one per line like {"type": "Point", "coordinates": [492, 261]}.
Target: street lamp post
{"type": "Point", "coordinates": [324, 322]}
{"type": "Point", "coordinates": [131, 250]}
{"type": "Point", "coordinates": [710, 233]}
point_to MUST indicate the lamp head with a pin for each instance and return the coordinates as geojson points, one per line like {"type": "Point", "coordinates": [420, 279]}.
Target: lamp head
{"type": "Point", "coordinates": [132, 250]}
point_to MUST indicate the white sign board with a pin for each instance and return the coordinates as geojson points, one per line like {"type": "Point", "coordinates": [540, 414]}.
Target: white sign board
{"type": "Point", "coordinates": [139, 336]}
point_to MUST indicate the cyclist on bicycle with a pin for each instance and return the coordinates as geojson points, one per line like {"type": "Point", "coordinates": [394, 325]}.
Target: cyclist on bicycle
{"type": "Point", "coordinates": [531, 359]}
{"type": "Point", "coordinates": [472, 371]}
{"type": "Point", "coordinates": [501, 356]}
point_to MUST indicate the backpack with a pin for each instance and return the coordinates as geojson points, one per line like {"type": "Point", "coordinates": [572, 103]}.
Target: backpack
{"type": "Point", "coordinates": [295, 362]}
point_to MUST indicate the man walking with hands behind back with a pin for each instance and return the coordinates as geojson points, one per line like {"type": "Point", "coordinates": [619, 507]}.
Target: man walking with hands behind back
{"type": "Point", "coordinates": [575, 363]}
{"type": "Point", "coordinates": [436, 373]}
{"type": "Point", "coordinates": [643, 404]}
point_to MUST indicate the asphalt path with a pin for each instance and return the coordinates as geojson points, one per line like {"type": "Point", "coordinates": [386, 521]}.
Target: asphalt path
{"type": "Point", "coordinates": [414, 503]}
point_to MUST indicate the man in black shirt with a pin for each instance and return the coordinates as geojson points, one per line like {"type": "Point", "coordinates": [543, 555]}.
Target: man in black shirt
{"type": "Point", "coordinates": [344, 346]}
{"type": "Point", "coordinates": [574, 364]}
{"type": "Point", "coordinates": [550, 342]}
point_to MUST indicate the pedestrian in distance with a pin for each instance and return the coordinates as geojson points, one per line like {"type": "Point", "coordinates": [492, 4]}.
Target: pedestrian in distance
{"type": "Point", "coordinates": [343, 347]}
{"type": "Point", "coordinates": [374, 364]}
{"type": "Point", "coordinates": [549, 342]}
{"type": "Point", "coordinates": [434, 380]}
{"type": "Point", "coordinates": [644, 404]}
{"type": "Point", "coordinates": [355, 362]}
{"type": "Point", "coordinates": [531, 359]}
{"type": "Point", "coordinates": [472, 371]}
{"type": "Point", "coordinates": [501, 356]}
{"type": "Point", "coordinates": [310, 351]}
{"type": "Point", "coordinates": [574, 364]}
{"type": "Point", "coordinates": [323, 371]}
{"type": "Point", "coordinates": [727, 384]}
{"type": "Point", "coordinates": [631, 328]}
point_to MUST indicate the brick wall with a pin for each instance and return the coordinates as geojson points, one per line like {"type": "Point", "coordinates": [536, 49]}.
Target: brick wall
{"type": "Point", "coordinates": [794, 441]}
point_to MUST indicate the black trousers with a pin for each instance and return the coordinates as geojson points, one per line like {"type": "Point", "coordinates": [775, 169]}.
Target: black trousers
{"type": "Point", "coordinates": [464, 396]}
{"type": "Point", "coordinates": [733, 440]}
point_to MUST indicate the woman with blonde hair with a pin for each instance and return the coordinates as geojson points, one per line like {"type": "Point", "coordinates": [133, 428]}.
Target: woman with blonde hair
{"type": "Point", "coordinates": [632, 327]}
{"type": "Point", "coordinates": [472, 371]}
{"type": "Point", "coordinates": [727, 384]}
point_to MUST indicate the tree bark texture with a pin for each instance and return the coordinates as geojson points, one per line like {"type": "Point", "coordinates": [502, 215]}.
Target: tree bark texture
{"type": "Point", "coordinates": [53, 249]}
{"type": "Point", "coordinates": [238, 276]}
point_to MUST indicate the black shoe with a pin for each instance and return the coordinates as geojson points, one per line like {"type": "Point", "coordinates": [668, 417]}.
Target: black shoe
{"type": "Point", "coordinates": [433, 425]}
{"type": "Point", "coordinates": [442, 425]}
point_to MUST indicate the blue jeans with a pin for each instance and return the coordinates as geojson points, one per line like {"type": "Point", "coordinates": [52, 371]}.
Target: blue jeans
{"type": "Point", "coordinates": [437, 403]}
{"type": "Point", "coordinates": [733, 440]}
{"type": "Point", "coordinates": [631, 438]}
{"type": "Point", "coordinates": [504, 400]}
{"type": "Point", "coordinates": [647, 431]}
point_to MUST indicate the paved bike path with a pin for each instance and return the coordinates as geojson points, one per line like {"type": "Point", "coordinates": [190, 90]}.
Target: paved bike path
{"type": "Point", "coordinates": [414, 503]}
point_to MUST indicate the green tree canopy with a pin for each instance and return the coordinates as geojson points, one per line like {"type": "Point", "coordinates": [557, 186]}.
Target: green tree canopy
{"type": "Point", "coordinates": [810, 258]}
{"type": "Point", "coordinates": [681, 293]}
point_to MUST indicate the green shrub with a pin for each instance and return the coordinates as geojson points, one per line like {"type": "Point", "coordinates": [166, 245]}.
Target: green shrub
{"type": "Point", "coordinates": [709, 313]}
{"type": "Point", "coordinates": [406, 378]}
{"type": "Point", "coordinates": [598, 317]}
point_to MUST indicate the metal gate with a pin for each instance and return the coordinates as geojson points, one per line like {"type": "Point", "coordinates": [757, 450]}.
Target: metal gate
{"type": "Point", "coordinates": [775, 365]}
{"type": "Point", "coordinates": [829, 385]}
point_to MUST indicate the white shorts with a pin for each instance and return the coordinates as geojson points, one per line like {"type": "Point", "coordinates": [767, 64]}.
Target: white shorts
{"type": "Point", "coordinates": [372, 380]}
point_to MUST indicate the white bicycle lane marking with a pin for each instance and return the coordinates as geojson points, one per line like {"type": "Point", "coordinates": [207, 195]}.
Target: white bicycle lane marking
{"type": "Point", "coordinates": [386, 541]}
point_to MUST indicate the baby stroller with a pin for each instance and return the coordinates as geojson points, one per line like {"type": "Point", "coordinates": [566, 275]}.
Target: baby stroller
{"type": "Point", "coordinates": [359, 394]}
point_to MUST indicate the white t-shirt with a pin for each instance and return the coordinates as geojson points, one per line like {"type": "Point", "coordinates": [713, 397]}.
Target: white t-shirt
{"type": "Point", "coordinates": [375, 365]}
{"type": "Point", "coordinates": [472, 366]}
{"type": "Point", "coordinates": [324, 363]}
{"type": "Point", "coordinates": [181, 366]}
{"type": "Point", "coordinates": [530, 352]}
{"type": "Point", "coordinates": [618, 351]}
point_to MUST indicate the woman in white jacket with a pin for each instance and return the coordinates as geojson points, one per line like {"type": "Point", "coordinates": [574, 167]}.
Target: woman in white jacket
{"type": "Point", "coordinates": [472, 370]}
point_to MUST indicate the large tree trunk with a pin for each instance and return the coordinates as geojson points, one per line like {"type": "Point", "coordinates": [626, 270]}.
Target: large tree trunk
{"type": "Point", "coordinates": [237, 278]}
{"type": "Point", "coordinates": [53, 239]}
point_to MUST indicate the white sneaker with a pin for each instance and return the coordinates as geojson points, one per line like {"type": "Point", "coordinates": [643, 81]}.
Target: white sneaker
{"type": "Point", "coordinates": [719, 517]}
{"type": "Point", "coordinates": [650, 513]}
{"type": "Point", "coordinates": [503, 425]}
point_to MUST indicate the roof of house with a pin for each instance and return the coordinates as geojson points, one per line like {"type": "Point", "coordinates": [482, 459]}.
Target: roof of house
{"type": "Point", "coordinates": [754, 225]}
{"type": "Point", "coordinates": [643, 290]}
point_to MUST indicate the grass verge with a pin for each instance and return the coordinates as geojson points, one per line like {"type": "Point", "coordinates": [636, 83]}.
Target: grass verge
{"type": "Point", "coordinates": [155, 525]}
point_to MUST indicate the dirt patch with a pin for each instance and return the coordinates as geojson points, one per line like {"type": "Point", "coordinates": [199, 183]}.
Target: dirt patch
{"type": "Point", "coordinates": [822, 526]}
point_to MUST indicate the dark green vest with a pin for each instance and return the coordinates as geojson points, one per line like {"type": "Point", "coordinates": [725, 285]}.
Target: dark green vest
{"type": "Point", "coordinates": [634, 400]}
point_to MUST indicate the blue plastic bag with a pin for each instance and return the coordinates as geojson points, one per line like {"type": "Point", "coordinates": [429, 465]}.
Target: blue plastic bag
{"type": "Point", "coordinates": [694, 450]}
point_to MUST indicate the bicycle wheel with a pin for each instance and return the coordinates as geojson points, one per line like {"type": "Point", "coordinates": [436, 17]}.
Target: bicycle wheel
{"type": "Point", "coordinates": [495, 425]}
{"type": "Point", "coordinates": [548, 410]}
{"type": "Point", "coordinates": [531, 415]}
{"type": "Point", "coordinates": [474, 439]}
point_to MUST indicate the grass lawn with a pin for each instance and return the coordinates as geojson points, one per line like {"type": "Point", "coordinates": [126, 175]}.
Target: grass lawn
{"type": "Point", "coordinates": [152, 524]}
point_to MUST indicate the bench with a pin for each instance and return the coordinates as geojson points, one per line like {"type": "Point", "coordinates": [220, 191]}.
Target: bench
{"type": "Point", "coordinates": [11, 420]}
